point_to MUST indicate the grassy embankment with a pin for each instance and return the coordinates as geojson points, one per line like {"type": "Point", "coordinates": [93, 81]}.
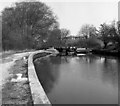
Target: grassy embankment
{"type": "Point", "coordinates": [17, 91]}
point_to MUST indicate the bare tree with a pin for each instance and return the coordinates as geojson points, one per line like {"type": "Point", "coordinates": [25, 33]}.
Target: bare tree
{"type": "Point", "coordinates": [87, 30]}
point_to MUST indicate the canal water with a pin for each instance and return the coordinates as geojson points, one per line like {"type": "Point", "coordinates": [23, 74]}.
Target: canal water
{"type": "Point", "coordinates": [86, 79]}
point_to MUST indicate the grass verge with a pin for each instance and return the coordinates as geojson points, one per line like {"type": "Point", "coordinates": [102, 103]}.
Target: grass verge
{"type": "Point", "coordinates": [18, 91]}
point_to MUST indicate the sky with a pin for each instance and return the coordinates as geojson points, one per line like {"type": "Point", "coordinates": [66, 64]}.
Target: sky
{"type": "Point", "coordinates": [72, 14]}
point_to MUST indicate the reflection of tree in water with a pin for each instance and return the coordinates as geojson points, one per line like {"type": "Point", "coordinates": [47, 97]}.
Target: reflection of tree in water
{"type": "Point", "coordinates": [110, 71]}
{"type": "Point", "coordinates": [108, 66]}
{"type": "Point", "coordinates": [88, 59]}
{"type": "Point", "coordinates": [46, 73]}
{"type": "Point", "coordinates": [63, 59]}
{"type": "Point", "coordinates": [55, 59]}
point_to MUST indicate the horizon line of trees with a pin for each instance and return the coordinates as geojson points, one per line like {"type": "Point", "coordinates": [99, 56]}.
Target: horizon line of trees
{"type": "Point", "coordinates": [33, 25]}
{"type": "Point", "coordinates": [91, 37]}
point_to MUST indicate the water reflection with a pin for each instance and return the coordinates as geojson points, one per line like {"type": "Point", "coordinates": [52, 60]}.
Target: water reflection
{"type": "Point", "coordinates": [46, 71]}
{"type": "Point", "coordinates": [88, 78]}
{"type": "Point", "coordinates": [110, 71]}
{"type": "Point", "coordinates": [119, 80]}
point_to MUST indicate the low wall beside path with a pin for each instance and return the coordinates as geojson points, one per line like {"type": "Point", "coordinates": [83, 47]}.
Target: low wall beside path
{"type": "Point", "coordinates": [38, 94]}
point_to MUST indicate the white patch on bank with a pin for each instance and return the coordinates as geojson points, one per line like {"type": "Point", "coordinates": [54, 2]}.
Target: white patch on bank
{"type": "Point", "coordinates": [19, 78]}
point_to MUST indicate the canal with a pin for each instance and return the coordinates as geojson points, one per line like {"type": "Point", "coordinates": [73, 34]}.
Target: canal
{"type": "Point", "coordinates": [86, 79]}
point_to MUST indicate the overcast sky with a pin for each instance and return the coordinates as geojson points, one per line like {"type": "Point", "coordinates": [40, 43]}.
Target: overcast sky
{"type": "Point", "coordinates": [72, 14]}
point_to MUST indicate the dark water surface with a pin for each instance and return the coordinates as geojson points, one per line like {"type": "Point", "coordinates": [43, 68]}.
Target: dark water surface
{"type": "Point", "coordinates": [87, 79]}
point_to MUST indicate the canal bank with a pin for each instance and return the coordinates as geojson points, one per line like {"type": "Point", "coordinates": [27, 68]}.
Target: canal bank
{"type": "Point", "coordinates": [38, 94]}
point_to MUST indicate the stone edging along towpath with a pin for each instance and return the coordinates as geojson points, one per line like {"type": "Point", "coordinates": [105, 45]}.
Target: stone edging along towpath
{"type": "Point", "coordinates": [38, 94]}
